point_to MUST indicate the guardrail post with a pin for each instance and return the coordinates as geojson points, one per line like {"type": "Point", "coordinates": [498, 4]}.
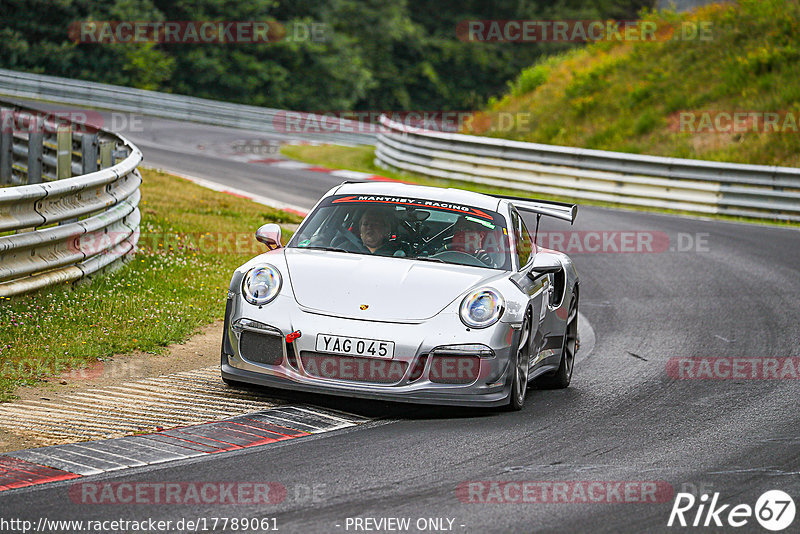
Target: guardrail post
{"type": "Point", "coordinates": [6, 143]}
{"type": "Point", "coordinates": [35, 147]}
{"type": "Point", "coordinates": [89, 153]}
{"type": "Point", "coordinates": [35, 253]}
{"type": "Point", "coordinates": [64, 152]}
{"type": "Point", "coordinates": [106, 155]}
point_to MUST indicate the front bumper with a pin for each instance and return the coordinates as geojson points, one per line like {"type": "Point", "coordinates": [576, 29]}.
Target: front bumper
{"type": "Point", "coordinates": [419, 372]}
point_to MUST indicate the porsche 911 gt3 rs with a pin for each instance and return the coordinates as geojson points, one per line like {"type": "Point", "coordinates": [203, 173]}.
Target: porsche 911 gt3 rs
{"type": "Point", "coordinates": [406, 293]}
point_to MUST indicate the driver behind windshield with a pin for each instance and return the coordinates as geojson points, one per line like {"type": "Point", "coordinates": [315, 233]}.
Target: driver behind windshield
{"type": "Point", "coordinates": [469, 237]}
{"type": "Point", "coordinates": [375, 229]}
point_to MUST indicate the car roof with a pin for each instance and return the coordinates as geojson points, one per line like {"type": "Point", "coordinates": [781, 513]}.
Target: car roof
{"type": "Point", "coordinates": [459, 196]}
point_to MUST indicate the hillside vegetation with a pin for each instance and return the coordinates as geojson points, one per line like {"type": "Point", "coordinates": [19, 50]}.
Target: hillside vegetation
{"type": "Point", "coordinates": [629, 96]}
{"type": "Point", "coordinates": [368, 54]}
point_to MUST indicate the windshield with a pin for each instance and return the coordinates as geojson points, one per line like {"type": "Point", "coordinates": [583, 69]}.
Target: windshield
{"type": "Point", "coordinates": [410, 228]}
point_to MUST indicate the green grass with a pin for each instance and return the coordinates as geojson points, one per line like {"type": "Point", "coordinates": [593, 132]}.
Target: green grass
{"type": "Point", "coordinates": [362, 159]}
{"type": "Point", "coordinates": [626, 96]}
{"type": "Point", "coordinates": [192, 240]}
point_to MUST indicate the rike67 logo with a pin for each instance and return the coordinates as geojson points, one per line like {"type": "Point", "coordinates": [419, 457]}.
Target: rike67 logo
{"type": "Point", "coordinates": [774, 510]}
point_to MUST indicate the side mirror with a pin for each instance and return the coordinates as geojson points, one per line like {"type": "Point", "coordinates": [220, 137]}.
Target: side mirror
{"type": "Point", "coordinates": [270, 235]}
{"type": "Point", "coordinates": [544, 263]}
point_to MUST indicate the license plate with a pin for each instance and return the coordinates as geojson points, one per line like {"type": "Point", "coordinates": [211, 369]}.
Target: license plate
{"type": "Point", "coordinates": [355, 346]}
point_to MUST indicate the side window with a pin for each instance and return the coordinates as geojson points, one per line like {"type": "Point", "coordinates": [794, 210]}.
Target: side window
{"type": "Point", "coordinates": [526, 244]}
{"type": "Point", "coordinates": [522, 239]}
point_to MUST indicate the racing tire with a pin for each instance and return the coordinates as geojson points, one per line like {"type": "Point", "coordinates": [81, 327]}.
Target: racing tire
{"type": "Point", "coordinates": [235, 383]}
{"type": "Point", "coordinates": [519, 383]}
{"type": "Point", "coordinates": [228, 382]}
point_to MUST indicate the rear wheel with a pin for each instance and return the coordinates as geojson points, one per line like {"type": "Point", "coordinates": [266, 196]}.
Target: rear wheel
{"type": "Point", "coordinates": [563, 376]}
{"type": "Point", "coordinates": [519, 385]}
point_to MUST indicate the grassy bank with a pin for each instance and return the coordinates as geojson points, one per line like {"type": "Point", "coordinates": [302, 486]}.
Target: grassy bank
{"type": "Point", "coordinates": [192, 239]}
{"type": "Point", "coordinates": [628, 96]}
{"type": "Point", "coordinates": [676, 96]}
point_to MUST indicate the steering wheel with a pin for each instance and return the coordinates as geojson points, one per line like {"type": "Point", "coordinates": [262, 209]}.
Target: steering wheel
{"type": "Point", "coordinates": [346, 240]}
{"type": "Point", "coordinates": [484, 257]}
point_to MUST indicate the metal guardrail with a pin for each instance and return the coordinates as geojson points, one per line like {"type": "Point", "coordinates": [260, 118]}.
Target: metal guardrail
{"type": "Point", "coordinates": [695, 186]}
{"type": "Point", "coordinates": [56, 227]}
{"type": "Point", "coordinates": [178, 107]}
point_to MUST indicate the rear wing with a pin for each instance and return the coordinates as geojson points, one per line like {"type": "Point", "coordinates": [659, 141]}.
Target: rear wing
{"type": "Point", "coordinates": [550, 208]}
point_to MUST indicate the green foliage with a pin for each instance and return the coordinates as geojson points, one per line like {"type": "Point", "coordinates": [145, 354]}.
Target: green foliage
{"type": "Point", "coordinates": [626, 96]}
{"type": "Point", "coordinates": [379, 55]}
{"type": "Point", "coordinates": [530, 79]}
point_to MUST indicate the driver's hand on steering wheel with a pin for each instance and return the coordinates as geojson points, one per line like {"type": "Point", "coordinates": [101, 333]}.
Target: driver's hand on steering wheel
{"type": "Point", "coordinates": [484, 257]}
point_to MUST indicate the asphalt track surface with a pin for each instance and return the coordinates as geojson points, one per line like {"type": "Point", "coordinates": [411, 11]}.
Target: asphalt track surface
{"type": "Point", "coordinates": [622, 419]}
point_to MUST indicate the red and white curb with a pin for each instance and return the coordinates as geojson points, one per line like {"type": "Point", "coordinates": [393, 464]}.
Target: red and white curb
{"type": "Point", "coordinates": [340, 173]}
{"type": "Point", "coordinates": [65, 462]}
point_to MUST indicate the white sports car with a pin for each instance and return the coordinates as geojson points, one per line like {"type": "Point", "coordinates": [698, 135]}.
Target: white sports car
{"type": "Point", "coordinates": [406, 293]}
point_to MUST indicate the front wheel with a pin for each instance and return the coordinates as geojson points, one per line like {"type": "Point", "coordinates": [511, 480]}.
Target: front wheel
{"type": "Point", "coordinates": [563, 376]}
{"type": "Point", "coordinates": [519, 384]}
{"type": "Point", "coordinates": [228, 382]}
{"type": "Point", "coordinates": [235, 383]}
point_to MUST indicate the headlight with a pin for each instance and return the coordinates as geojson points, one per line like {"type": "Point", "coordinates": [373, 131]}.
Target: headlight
{"type": "Point", "coordinates": [261, 284]}
{"type": "Point", "coordinates": [481, 308]}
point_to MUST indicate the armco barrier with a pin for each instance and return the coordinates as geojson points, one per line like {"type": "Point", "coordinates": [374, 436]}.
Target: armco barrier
{"type": "Point", "coordinates": [169, 106]}
{"type": "Point", "coordinates": [56, 227]}
{"type": "Point", "coordinates": [696, 186]}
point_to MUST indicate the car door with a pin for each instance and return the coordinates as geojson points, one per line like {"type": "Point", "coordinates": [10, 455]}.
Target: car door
{"type": "Point", "coordinates": [536, 288]}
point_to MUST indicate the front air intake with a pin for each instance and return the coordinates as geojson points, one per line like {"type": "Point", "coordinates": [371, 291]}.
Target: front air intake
{"type": "Point", "coordinates": [454, 369]}
{"type": "Point", "coordinates": [261, 348]}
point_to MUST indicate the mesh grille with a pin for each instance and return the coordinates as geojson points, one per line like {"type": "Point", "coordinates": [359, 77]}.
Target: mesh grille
{"type": "Point", "coordinates": [261, 348]}
{"type": "Point", "coordinates": [454, 369]}
{"type": "Point", "coordinates": [333, 366]}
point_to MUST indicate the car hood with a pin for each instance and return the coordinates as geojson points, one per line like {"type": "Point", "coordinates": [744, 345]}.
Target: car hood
{"type": "Point", "coordinates": [392, 289]}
